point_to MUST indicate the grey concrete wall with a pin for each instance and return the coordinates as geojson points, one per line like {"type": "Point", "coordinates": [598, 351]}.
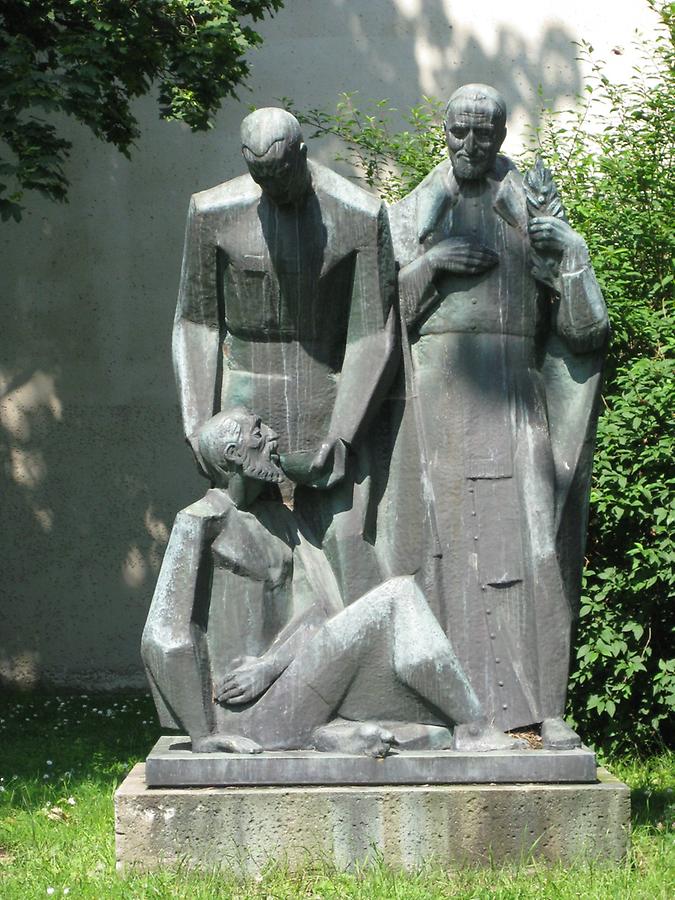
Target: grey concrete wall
{"type": "Point", "coordinates": [92, 462]}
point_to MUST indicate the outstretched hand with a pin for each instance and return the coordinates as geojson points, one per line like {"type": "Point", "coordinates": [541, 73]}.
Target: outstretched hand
{"type": "Point", "coordinates": [462, 256]}
{"type": "Point", "coordinates": [330, 460]}
{"type": "Point", "coordinates": [246, 680]}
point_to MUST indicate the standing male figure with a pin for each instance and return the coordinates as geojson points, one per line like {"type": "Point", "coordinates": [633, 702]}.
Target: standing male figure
{"type": "Point", "coordinates": [285, 309]}
{"type": "Point", "coordinates": [504, 375]}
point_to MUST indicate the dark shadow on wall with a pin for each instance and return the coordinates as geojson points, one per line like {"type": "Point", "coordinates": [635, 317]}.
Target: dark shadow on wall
{"type": "Point", "coordinates": [92, 463]}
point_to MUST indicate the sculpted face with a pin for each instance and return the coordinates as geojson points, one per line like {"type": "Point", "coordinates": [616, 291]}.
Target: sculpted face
{"type": "Point", "coordinates": [258, 451]}
{"type": "Point", "coordinates": [276, 155]}
{"type": "Point", "coordinates": [238, 440]}
{"type": "Point", "coordinates": [475, 130]}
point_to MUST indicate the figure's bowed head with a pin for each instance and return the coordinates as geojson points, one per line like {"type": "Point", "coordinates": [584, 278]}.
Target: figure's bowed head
{"type": "Point", "coordinates": [240, 452]}
{"type": "Point", "coordinates": [475, 128]}
{"type": "Point", "coordinates": [276, 155]}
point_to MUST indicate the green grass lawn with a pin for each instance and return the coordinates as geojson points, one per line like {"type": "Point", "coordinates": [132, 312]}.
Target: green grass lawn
{"type": "Point", "coordinates": [61, 758]}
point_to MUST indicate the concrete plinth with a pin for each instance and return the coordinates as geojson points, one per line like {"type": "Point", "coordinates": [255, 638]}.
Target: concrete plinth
{"type": "Point", "coordinates": [246, 828]}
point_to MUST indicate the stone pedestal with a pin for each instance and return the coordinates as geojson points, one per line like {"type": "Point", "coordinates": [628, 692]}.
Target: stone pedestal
{"type": "Point", "coordinates": [246, 828]}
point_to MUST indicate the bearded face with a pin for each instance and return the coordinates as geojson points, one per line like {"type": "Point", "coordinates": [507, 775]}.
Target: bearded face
{"type": "Point", "coordinates": [238, 441]}
{"type": "Point", "coordinates": [258, 454]}
{"type": "Point", "coordinates": [474, 132]}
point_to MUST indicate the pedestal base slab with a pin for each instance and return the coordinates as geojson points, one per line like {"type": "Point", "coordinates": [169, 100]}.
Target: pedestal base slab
{"type": "Point", "coordinates": [172, 764]}
{"type": "Point", "coordinates": [246, 828]}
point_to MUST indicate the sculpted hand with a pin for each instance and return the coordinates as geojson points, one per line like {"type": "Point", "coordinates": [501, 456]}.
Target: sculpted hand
{"type": "Point", "coordinates": [335, 451]}
{"type": "Point", "coordinates": [552, 235]}
{"type": "Point", "coordinates": [248, 678]}
{"type": "Point", "coordinates": [462, 256]}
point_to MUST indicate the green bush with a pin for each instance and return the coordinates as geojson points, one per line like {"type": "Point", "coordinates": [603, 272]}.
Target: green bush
{"type": "Point", "coordinates": [612, 160]}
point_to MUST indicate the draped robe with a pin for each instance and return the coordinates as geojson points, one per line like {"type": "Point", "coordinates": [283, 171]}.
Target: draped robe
{"type": "Point", "coordinates": [488, 484]}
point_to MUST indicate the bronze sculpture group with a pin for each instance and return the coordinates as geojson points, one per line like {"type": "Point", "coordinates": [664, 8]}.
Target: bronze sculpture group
{"type": "Point", "coordinates": [396, 410]}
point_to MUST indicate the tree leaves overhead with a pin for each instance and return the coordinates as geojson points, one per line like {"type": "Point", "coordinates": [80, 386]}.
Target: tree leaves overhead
{"type": "Point", "coordinates": [91, 58]}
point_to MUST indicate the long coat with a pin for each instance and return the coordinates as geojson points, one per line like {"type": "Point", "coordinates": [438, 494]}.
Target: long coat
{"type": "Point", "coordinates": [287, 312]}
{"type": "Point", "coordinates": [487, 490]}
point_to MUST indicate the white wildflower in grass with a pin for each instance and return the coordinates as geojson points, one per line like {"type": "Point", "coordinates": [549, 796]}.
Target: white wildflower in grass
{"type": "Point", "coordinates": [70, 801]}
{"type": "Point", "coordinates": [66, 890]}
{"type": "Point", "coordinates": [49, 762]}
{"type": "Point", "coordinates": [50, 891]}
{"type": "Point", "coordinates": [46, 775]}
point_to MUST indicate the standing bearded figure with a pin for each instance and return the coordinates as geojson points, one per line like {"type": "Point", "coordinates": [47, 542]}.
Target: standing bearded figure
{"type": "Point", "coordinates": [506, 328]}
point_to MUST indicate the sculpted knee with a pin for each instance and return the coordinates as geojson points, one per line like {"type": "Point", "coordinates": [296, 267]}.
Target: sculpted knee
{"type": "Point", "coordinates": [163, 647]}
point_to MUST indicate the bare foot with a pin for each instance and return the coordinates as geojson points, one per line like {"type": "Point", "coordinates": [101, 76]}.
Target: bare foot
{"type": "Point", "coordinates": [225, 743]}
{"type": "Point", "coordinates": [479, 738]}
{"type": "Point", "coordinates": [359, 738]}
{"type": "Point", "coordinates": [557, 735]}
{"type": "Point", "coordinates": [417, 736]}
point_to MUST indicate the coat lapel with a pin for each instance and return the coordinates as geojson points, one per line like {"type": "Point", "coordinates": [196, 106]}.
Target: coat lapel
{"type": "Point", "coordinates": [436, 201]}
{"type": "Point", "coordinates": [510, 202]}
{"type": "Point", "coordinates": [441, 193]}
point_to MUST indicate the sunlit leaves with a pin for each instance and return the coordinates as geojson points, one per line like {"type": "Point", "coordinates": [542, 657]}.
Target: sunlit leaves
{"type": "Point", "coordinates": [90, 58]}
